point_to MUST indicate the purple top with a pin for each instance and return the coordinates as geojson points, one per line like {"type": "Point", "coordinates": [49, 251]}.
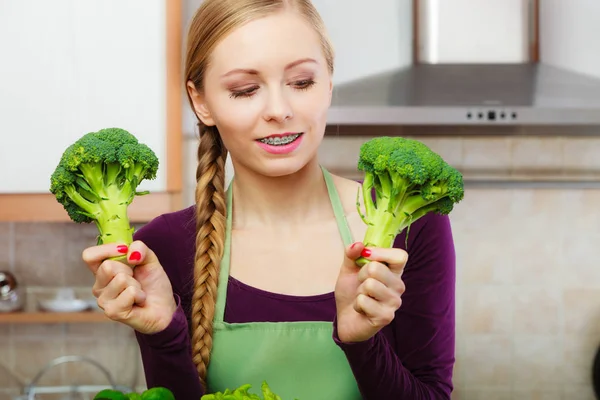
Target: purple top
{"type": "Point", "coordinates": [411, 358]}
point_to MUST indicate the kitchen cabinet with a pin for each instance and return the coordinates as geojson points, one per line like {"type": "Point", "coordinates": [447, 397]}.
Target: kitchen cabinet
{"type": "Point", "coordinates": [71, 67]}
{"type": "Point", "coordinates": [53, 317]}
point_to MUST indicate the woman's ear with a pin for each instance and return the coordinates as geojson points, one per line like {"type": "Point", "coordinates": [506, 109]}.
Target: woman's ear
{"type": "Point", "coordinates": [200, 107]}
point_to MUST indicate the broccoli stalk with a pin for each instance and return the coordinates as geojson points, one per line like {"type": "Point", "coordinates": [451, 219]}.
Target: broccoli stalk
{"type": "Point", "coordinates": [97, 177]}
{"type": "Point", "coordinates": [106, 204]}
{"type": "Point", "coordinates": [404, 180]}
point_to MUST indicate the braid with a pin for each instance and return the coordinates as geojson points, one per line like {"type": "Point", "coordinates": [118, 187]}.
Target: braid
{"type": "Point", "coordinates": [210, 237]}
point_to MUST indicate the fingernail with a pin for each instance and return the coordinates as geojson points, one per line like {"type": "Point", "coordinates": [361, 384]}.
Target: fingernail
{"type": "Point", "coordinates": [135, 256]}
{"type": "Point", "coordinates": [353, 244]}
{"type": "Point", "coordinates": [366, 253]}
{"type": "Point", "coordinates": [122, 248]}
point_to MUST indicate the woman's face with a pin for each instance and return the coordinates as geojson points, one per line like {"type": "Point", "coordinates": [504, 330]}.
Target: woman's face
{"type": "Point", "coordinates": [267, 89]}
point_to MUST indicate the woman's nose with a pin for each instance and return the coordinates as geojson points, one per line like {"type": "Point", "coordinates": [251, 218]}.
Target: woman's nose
{"type": "Point", "coordinates": [278, 107]}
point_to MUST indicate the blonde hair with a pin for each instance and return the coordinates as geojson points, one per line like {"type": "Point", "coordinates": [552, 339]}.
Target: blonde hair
{"type": "Point", "coordinates": [211, 23]}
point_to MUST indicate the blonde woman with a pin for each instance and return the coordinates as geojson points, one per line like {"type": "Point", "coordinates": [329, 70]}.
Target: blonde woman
{"type": "Point", "coordinates": [257, 280]}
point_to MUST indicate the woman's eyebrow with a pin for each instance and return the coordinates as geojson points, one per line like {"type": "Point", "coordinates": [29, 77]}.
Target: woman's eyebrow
{"type": "Point", "coordinates": [250, 71]}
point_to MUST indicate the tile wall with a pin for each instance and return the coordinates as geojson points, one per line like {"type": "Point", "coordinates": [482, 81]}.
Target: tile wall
{"type": "Point", "coordinates": [528, 305]}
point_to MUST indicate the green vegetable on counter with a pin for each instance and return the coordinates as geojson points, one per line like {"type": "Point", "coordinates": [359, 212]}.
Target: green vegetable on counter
{"type": "Point", "coordinates": [243, 393]}
{"type": "Point", "coordinates": [97, 179]}
{"type": "Point", "coordinates": [158, 393]}
{"type": "Point", "coordinates": [409, 180]}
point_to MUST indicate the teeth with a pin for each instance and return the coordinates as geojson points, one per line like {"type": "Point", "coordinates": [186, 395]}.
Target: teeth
{"type": "Point", "coordinates": [280, 141]}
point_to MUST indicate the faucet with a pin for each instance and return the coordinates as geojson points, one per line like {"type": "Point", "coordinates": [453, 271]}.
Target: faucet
{"type": "Point", "coordinates": [31, 389]}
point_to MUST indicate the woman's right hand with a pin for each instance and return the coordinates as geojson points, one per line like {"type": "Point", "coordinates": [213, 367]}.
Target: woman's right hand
{"type": "Point", "coordinates": [140, 294]}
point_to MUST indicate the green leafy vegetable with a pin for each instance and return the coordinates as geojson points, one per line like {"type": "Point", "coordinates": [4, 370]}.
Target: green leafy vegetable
{"type": "Point", "coordinates": [97, 179]}
{"type": "Point", "coordinates": [409, 180]}
{"type": "Point", "coordinates": [243, 393]}
{"type": "Point", "coordinates": [157, 393]}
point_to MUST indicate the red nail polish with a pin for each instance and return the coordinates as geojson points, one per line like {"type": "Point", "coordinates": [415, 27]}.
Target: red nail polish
{"type": "Point", "coordinates": [135, 256]}
{"type": "Point", "coordinates": [353, 245]}
{"type": "Point", "coordinates": [366, 253]}
{"type": "Point", "coordinates": [122, 248]}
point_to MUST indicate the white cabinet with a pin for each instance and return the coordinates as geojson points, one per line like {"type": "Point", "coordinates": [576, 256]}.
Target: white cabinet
{"type": "Point", "coordinates": [69, 67]}
{"type": "Point", "coordinates": [369, 37]}
{"type": "Point", "coordinates": [468, 31]}
{"type": "Point", "coordinates": [569, 32]}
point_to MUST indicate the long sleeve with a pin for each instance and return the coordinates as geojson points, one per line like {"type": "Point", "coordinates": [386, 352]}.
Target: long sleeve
{"type": "Point", "coordinates": [413, 357]}
{"type": "Point", "coordinates": [166, 355]}
{"type": "Point", "coordinates": [167, 360]}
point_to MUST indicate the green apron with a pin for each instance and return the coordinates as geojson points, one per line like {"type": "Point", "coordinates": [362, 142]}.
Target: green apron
{"type": "Point", "coordinates": [299, 360]}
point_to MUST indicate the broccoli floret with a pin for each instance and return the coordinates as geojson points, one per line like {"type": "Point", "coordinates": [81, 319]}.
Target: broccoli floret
{"type": "Point", "coordinates": [404, 180]}
{"type": "Point", "coordinates": [97, 177]}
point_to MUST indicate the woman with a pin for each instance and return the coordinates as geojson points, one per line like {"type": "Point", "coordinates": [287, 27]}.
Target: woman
{"type": "Point", "coordinates": [257, 281]}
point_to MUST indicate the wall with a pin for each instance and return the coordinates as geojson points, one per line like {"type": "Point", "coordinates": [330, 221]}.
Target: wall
{"type": "Point", "coordinates": [566, 26]}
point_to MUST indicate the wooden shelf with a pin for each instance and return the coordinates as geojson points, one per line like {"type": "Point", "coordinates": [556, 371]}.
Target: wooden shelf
{"type": "Point", "coordinates": [45, 207]}
{"type": "Point", "coordinates": [52, 318]}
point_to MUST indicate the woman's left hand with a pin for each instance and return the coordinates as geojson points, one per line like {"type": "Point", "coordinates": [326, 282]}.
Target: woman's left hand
{"type": "Point", "coordinates": [367, 298]}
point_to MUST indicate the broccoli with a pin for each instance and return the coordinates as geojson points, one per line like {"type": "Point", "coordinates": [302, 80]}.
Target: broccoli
{"type": "Point", "coordinates": [409, 180]}
{"type": "Point", "coordinates": [97, 177]}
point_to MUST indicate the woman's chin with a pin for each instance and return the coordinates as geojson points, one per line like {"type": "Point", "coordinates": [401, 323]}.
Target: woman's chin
{"type": "Point", "coordinates": [275, 168]}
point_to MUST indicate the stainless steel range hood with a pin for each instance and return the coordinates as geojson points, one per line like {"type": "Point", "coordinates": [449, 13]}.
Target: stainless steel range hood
{"type": "Point", "coordinates": [427, 94]}
{"type": "Point", "coordinates": [439, 93]}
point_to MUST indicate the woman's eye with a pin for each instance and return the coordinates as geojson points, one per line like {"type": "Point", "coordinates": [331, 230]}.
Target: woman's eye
{"type": "Point", "coordinates": [249, 92]}
{"type": "Point", "coordinates": [243, 93]}
{"type": "Point", "coordinates": [304, 84]}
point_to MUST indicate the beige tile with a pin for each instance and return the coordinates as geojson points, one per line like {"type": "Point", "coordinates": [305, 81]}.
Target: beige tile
{"type": "Point", "coordinates": [487, 394]}
{"type": "Point", "coordinates": [536, 394]}
{"type": "Point", "coordinates": [578, 392]}
{"type": "Point", "coordinates": [6, 246]}
{"type": "Point", "coordinates": [484, 208]}
{"type": "Point", "coordinates": [33, 354]}
{"type": "Point", "coordinates": [6, 359]}
{"type": "Point", "coordinates": [540, 152]}
{"type": "Point", "coordinates": [581, 153]}
{"type": "Point", "coordinates": [488, 309]}
{"type": "Point", "coordinates": [77, 238]}
{"type": "Point", "coordinates": [537, 241]}
{"type": "Point", "coordinates": [52, 332]}
{"type": "Point", "coordinates": [582, 311]}
{"type": "Point", "coordinates": [584, 213]}
{"type": "Point", "coordinates": [487, 361]}
{"type": "Point", "coordinates": [487, 153]}
{"type": "Point", "coordinates": [9, 393]}
{"type": "Point", "coordinates": [482, 261]}
{"type": "Point", "coordinates": [126, 362]}
{"type": "Point", "coordinates": [536, 310]}
{"type": "Point", "coordinates": [85, 332]}
{"type": "Point", "coordinates": [40, 254]}
{"type": "Point", "coordinates": [578, 357]}
{"type": "Point", "coordinates": [457, 394]}
{"type": "Point", "coordinates": [340, 154]}
{"type": "Point", "coordinates": [537, 362]}
{"type": "Point", "coordinates": [40, 229]}
{"type": "Point", "coordinates": [578, 262]}
{"type": "Point", "coordinates": [450, 149]}
{"type": "Point", "coordinates": [84, 373]}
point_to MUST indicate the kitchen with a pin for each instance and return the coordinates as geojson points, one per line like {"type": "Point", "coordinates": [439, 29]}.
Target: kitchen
{"type": "Point", "coordinates": [528, 288]}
